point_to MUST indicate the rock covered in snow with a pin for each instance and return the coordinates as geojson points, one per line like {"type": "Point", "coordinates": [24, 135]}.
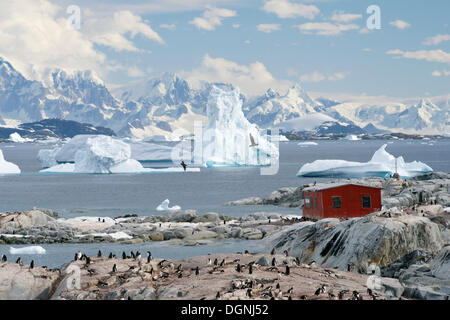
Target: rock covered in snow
{"type": "Point", "coordinates": [16, 137]}
{"type": "Point", "coordinates": [382, 164]}
{"type": "Point", "coordinates": [7, 167]}
{"type": "Point", "coordinates": [227, 137]}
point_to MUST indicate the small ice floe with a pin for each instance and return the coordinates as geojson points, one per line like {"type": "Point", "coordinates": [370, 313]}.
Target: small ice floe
{"type": "Point", "coordinates": [27, 250]}
{"type": "Point", "coordinates": [164, 206]}
{"type": "Point", "coordinates": [7, 167]}
{"type": "Point", "coordinates": [307, 143]}
{"type": "Point", "coordinates": [351, 137]}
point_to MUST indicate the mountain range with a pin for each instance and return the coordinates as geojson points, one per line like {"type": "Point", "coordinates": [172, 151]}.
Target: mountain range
{"type": "Point", "coordinates": [168, 105]}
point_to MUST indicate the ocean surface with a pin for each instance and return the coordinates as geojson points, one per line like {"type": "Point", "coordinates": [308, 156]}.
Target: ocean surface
{"type": "Point", "coordinates": [118, 194]}
{"type": "Point", "coordinates": [113, 195]}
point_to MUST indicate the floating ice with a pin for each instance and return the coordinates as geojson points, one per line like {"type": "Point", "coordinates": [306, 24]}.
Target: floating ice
{"type": "Point", "coordinates": [308, 143]}
{"type": "Point", "coordinates": [16, 137]}
{"type": "Point", "coordinates": [227, 136]}
{"type": "Point", "coordinates": [7, 167]}
{"type": "Point", "coordinates": [352, 137]}
{"type": "Point", "coordinates": [27, 250]}
{"type": "Point", "coordinates": [164, 206]}
{"type": "Point", "coordinates": [147, 151]}
{"type": "Point", "coordinates": [382, 164]}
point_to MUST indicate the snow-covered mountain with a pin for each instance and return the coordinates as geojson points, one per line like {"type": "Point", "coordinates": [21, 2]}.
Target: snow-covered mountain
{"type": "Point", "coordinates": [168, 105]}
{"type": "Point", "coordinates": [78, 96]}
{"type": "Point", "coordinates": [273, 108]}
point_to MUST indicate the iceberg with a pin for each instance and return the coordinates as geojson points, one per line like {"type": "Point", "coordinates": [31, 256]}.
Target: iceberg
{"type": "Point", "coordinates": [16, 137]}
{"type": "Point", "coordinates": [100, 146]}
{"type": "Point", "coordinates": [307, 143]}
{"type": "Point", "coordinates": [351, 137]}
{"type": "Point", "coordinates": [27, 250]}
{"type": "Point", "coordinates": [382, 164]}
{"type": "Point", "coordinates": [228, 135]}
{"type": "Point", "coordinates": [164, 206]}
{"type": "Point", "coordinates": [7, 167]}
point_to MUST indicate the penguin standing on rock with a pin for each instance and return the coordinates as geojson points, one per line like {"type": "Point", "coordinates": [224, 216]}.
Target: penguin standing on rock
{"type": "Point", "coordinates": [272, 252]}
{"type": "Point", "coordinates": [110, 255]}
{"type": "Point", "coordinates": [287, 271]}
{"type": "Point", "coordinates": [286, 253]}
{"type": "Point", "coordinates": [124, 255]}
{"type": "Point", "coordinates": [238, 268]}
{"type": "Point", "coordinates": [274, 262]}
{"type": "Point", "coordinates": [4, 258]}
{"type": "Point", "coordinates": [114, 269]}
{"type": "Point", "coordinates": [32, 264]}
{"type": "Point", "coordinates": [99, 254]}
{"type": "Point", "coordinates": [78, 256]}
{"type": "Point", "coordinates": [197, 271]}
{"type": "Point", "coordinates": [19, 261]}
{"type": "Point", "coordinates": [250, 269]}
{"type": "Point", "coordinates": [149, 257]}
{"type": "Point", "coordinates": [138, 255]}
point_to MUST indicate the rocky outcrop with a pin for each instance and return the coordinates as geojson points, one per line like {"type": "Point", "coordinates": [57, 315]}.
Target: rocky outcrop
{"type": "Point", "coordinates": [22, 283]}
{"type": "Point", "coordinates": [357, 243]}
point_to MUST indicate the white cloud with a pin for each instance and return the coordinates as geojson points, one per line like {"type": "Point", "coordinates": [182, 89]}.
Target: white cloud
{"type": "Point", "coordinates": [400, 24]}
{"type": "Point", "coordinates": [212, 18]}
{"type": "Point", "coordinates": [236, 26]}
{"type": "Point", "coordinates": [252, 79]}
{"type": "Point", "coordinates": [286, 9]}
{"type": "Point", "coordinates": [247, 42]}
{"type": "Point", "coordinates": [345, 17]}
{"type": "Point", "coordinates": [135, 72]}
{"type": "Point", "coordinates": [427, 55]}
{"type": "Point", "coordinates": [437, 39]}
{"type": "Point", "coordinates": [325, 28]}
{"type": "Point", "coordinates": [312, 77]}
{"type": "Point", "coordinates": [437, 73]}
{"type": "Point", "coordinates": [317, 77]}
{"type": "Point", "coordinates": [35, 36]}
{"type": "Point", "coordinates": [170, 27]}
{"type": "Point", "coordinates": [110, 31]}
{"type": "Point", "coordinates": [268, 28]}
{"type": "Point", "coordinates": [367, 50]}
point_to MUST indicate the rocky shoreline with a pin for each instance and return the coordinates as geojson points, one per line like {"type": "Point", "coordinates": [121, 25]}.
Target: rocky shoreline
{"type": "Point", "coordinates": [43, 226]}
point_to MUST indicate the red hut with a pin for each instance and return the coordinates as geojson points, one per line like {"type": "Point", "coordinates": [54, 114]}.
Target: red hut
{"type": "Point", "coordinates": [340, 200]}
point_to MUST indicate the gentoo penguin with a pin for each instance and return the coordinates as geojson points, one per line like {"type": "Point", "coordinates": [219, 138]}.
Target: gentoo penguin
{"type": "Point", "coordinates": [78, 256]}
{"type": "Point", "coordinates": [138, 255]}
{"type": "Point", "coordinates": [222, 263]}
{"type": "Point", "coordinates": [124, 255]}
{"type": "Point", "coordinates": [216, 261]}
{"type": "Point", "coordinates": [249, 293]}
{"type": "Point", "coordinates": [32, 264]}
{"type": "Point", "coordinates": [19, 261]}
{"type": "Point", "coordinates": [197, 272]}
{"type": "Point", "coordinates": [209, 261]}
{"type": "Point", "coordinates": [331, 296]}
{"type": "Point", "coordinates": [250, 269]}
{"type": "Point", "coordinates": [246, 252]}
{"type": "Point", "coordinates": [218, 295]}
{"type": "Point", "coordinates": [303, 297]}
{"type": "Point", "coordinates": [133, 255]}
{"type": "Point", "coordinates": [286, 253]}
{"type": "Point", "coordinates": [99, 254]}
{"type": "Point", "coordinates": [110, 255]}
{"type": "Point", "coordinates": [274, 262]}
{"type": "Point", "coordinates": [291, 290]}
{"type": "Point", "coordinates": [4, 258]}
{"type": "Point", "coordinates": [238, 268]}
{"type": "Point", "coordinates": [114, 269]}
{"type": "Point", "coordinates": [272, 252]}
{"type": "Point", "coordinates": [356, 295]}
{"type": "Point", "coordinates": [149, 257]}
{"type": "Point", "coordinates": [287, 271]}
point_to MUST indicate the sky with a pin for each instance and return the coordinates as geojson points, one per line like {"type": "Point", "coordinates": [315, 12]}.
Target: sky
{"type": "Point", "coordinates": [325, 45]}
